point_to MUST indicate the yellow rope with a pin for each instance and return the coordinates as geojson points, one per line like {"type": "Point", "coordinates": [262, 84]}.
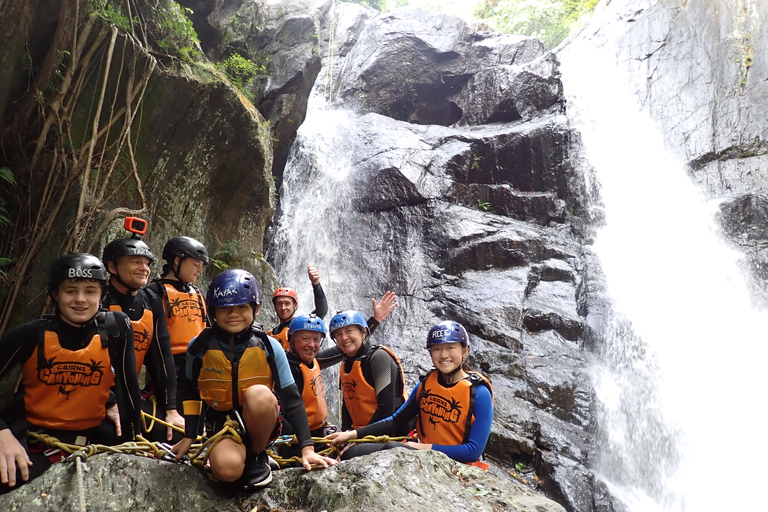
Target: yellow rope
{"type": "Point", "coordinates": [154, 419]}
{"type": "Point", "coordinates": [330, 451]}
{"type": "Point", "coordinates": [198, 453]}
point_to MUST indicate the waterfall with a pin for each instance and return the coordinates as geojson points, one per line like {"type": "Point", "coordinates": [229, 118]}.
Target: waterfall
{"type": "Point", "coordinates": [680, 381]}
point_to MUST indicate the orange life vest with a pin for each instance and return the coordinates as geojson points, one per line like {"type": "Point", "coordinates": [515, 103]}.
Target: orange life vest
{"type": "Point", "coordinates": [313, 395]}
{"type": "Point", "coordinates": [446, 414]}
{"type": "Point", "coordinates": [143, 332]}
{"type": "Point", "coordinates": [359, 395]}
{"type": "Point", "coordinates": [282, 337]}
{"type": "Point", "coordinates": [185, 316]}
{"type": "Point", "coordinates": [219, 377]}
{"type": "Point", "coordinates": [67, 389]}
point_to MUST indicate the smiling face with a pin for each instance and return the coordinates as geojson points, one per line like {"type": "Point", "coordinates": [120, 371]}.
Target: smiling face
{"type": "Point", "coordinates": [132, 270]}
{"type": "Point", "coordinates": [190, 269]}
{"type": "Point", "coordinates": [349, 339]}
{"type": "Point", "coordinates": [285, 307]}
{"type": "Point", "coordinates": [78, 300]}
{"type": "Point", "coordinates": [306, 344]}
{"type": "Point", "coordinates": [234, 319]}
{"type": "Point", "coordinates": [448, 356]}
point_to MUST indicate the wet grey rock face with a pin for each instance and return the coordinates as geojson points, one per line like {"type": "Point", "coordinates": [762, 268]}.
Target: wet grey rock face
{"type": "Point", "coordinates": [473, 217]}
{"type": "Point", "coordinates": [428, 68]}
{"type": "Point", "coordinates": [394, 480]}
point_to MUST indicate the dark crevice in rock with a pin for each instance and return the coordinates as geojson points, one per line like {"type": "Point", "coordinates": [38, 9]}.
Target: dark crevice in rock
{"type": "Point", "coordinates": [756, 147]}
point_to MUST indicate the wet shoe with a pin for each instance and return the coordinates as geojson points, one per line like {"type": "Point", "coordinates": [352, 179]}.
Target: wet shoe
{"type": "Point", "coordinates": [257, 472]}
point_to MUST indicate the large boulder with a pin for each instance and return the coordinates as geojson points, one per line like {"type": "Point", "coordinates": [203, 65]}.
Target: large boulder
{"type": "Point", "coordinates": [429, 68]}
{"type": "Point", "coordinates": [393, 480]}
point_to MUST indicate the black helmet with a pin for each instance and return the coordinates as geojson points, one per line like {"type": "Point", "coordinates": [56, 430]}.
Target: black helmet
{"type": "Point", "coordinates": [76, 266]}
{"type": "Point", "coordinates": [126, 247]}
{"type": "Point", "coordinates": [185, 247]}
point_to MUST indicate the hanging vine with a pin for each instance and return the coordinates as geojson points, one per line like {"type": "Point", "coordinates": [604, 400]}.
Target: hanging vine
{"type": "Point", "coordinates": [103, 70]}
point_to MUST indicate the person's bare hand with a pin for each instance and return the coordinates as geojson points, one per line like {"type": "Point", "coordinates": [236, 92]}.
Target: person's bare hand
{"type": "Point", "coordinates": [339, 438]}
{"type": "Point", "coordinates": [12, 456]}
{"type": "Point", "coordinates": [113, 415]}
{"type": "Point", "coordinates": [314, 275]}
{"type": "Point", "coordinates": [173, 417]}
{"type": "Point", "coordinates": [182, 447]}
{"type": "Point", "coordinates": [309, 457]}
{"type": "Point", "coordinates": [382, 308]}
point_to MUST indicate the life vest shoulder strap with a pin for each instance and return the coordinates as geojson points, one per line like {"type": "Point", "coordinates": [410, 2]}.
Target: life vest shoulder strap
{"type": "Point", "coordinates": [423, 379]}
{"type": "Point", "coordinates": [50, 323]}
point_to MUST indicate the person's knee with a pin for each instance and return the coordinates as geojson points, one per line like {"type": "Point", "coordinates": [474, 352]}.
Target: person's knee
{"type": "Point", "coordinates": [259, 397]}
{"type": "Point", "coordinates": [227, 465]}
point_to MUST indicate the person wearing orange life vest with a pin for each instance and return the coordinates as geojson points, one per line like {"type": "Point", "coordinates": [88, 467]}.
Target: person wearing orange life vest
{"type": "Point", "coordinates": [128, 262]}
{"type": "Point", "coordinates": [184, 305]}
{"type": "Point", "coordinates": [286, 302]}
{"type": "Point", "coordinates": [453, 405]}
{"type": "Point", "coordinates": [306, 334]}
{"type": "Point", "coordinates": [78, 379]}
{"type": "Point", "coordinates": [371, 377]}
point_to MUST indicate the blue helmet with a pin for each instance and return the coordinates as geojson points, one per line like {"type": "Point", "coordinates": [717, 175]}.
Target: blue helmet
{"type": "Point", "coordinates": [447, 331]}
{"type": "Point", "coordinates": [232, 288]}
{"type": "Point", "coordinates": [307, 323]}
{"type": "Point", "coordinates": [345, 318]}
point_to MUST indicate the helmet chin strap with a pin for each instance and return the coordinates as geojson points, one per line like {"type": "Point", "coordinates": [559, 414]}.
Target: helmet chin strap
{"type": "Point", "coordinates": [453, 372]}
{"type": "Point", "coordinates": [176, 271]}
{"type": "Point", "coordinates": [131, 289]}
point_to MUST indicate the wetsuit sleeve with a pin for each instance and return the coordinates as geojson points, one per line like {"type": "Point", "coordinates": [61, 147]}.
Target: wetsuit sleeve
{"type": "Point", "coordinates": [329, 357]}
{"type": "Point", "coordinates": [321, 303]}
{"type": "Point", "coordinates": [291, 403]}
{"type": "Point", "coordinates": [346, 419]}
{"type": "Point", "coordinates": [384, 371]}
{"type": "Point", "coordinates": [126, 388]}
{"type": "Point", "coordinates": [160, 362]}
{"type": "Point", "coordinates": [478, 436]}
{"type": "Point", "coordinates": [192, 405]}
{"type": "Point", "coordinates": [15, 348]}
{"type": "Point", "coordinates": [395, 423]}
{"type": "Point", "coordinates": [372, 325]}
{"type": "Point", "coordinates": [284, 375]}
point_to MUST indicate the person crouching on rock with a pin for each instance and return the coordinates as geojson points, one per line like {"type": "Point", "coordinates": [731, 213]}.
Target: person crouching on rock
{"type": "Point", "coordinates": [453, 405]}
{"type": "Point", "coordinates": [70, 362]}
{"type": "Point", "coordinates": [236, 349]}
{"type": "Point", "coordinates": [371, 377]}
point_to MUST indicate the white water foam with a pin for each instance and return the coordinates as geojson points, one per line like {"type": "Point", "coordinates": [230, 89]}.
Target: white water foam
{"type": "Point", "coordinates": [682, 389]}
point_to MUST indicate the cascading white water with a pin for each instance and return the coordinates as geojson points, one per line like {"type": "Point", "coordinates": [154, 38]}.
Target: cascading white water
{"type": "Point", "coordinates": [681, 385]}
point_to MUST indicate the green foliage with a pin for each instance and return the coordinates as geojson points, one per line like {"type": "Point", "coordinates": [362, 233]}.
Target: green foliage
{"type": "Point", "coordinates": [476, 162]}
{"type": "Point", "coordinates": [549, 20]}
{"type": "Point", "coordinates": [519, 467]}
{"type": "Point", "coordinates": [224, 258]}
{"type": "Point", "coordinates": [175, 31]}
{"type": "Point", "coordinates": [112, 12]}
{"type": "Point", "coordinates": [240, 70]}
{"type": "Point", "coordinates": [484, 205]}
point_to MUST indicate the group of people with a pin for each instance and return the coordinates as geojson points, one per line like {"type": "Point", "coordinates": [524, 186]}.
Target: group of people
{"type": "Point", "coordinates": [209, 364]}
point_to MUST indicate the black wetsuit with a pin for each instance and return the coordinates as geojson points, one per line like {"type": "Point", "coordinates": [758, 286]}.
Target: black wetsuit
{"type": "Point", "coordinates": [19, 345]}
{"type": "Point", "coordinates": [161, 369]}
